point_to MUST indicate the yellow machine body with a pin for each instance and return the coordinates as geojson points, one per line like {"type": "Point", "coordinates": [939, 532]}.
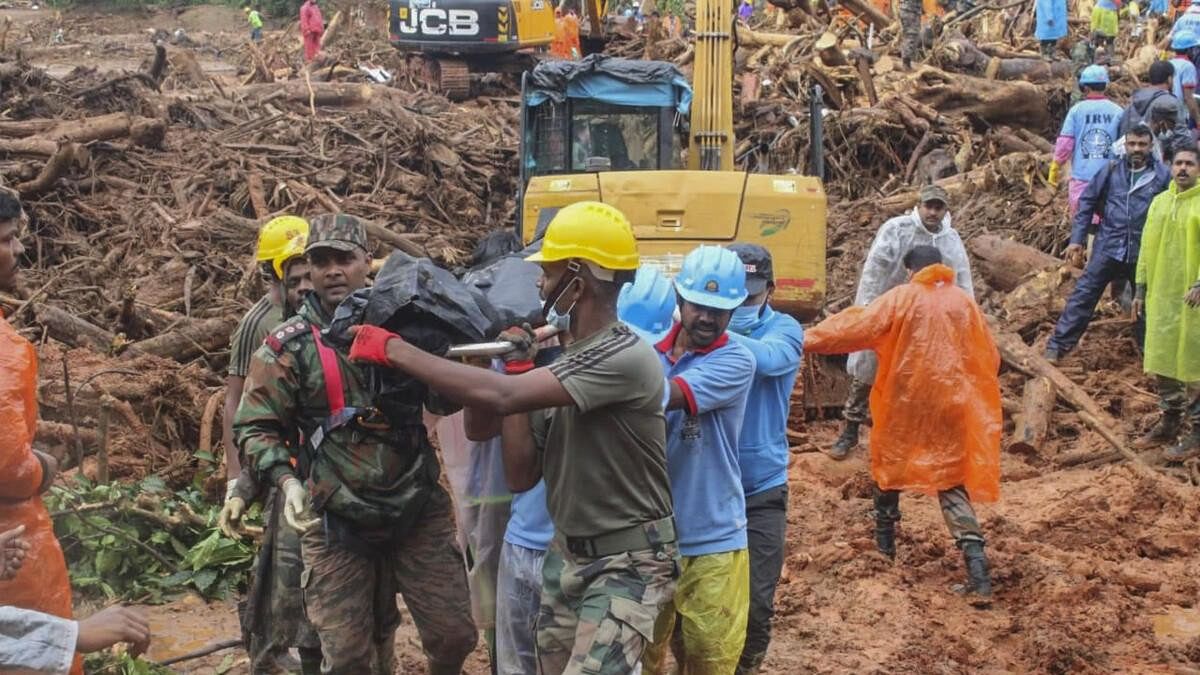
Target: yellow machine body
{"type": "Point", "coordinates": [673, 211]}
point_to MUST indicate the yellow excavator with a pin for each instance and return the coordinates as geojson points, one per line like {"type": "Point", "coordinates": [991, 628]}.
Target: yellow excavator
{"type": "Point", "coordinates": [613, 130]}
{"type": "Point", "coordinates": [458, 37]}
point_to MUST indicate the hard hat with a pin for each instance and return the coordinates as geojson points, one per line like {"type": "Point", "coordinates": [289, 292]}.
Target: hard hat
{"type": "Point", "coordinates": [273, 238]}
{"type": "Point", "coordinates": [647, 303]}
{"type": "Point", "coordinates": [712, 276]}
{"type": "Point", "coordinates": [591, 231]}
{"type": "Point", "coordinates": [294, 248]}
{"type": "Point", "coordinates": [1094, 74]}
{"type": "Point", "coordinates": [1184, 39]}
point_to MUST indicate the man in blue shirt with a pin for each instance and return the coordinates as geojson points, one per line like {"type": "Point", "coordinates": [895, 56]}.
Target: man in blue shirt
{"type": "Point", "coordinates": [1122, 191]}
{"type": "Point", "coordinates": [1087, 134]}
{"type": "Point", "coordinates": [776, 341]}
{"type": "Point", "coordinates": [1183, 86]}
{"type": "Point", "coordinates": [709, 377]}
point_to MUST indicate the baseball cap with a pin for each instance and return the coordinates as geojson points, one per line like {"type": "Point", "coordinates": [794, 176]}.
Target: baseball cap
{"type": "Point", "coordinates": [340, 231]}
{"type": "Point", "coordinates": [934, 193]}
{"type": "Point", "coordinates": [759, 271]}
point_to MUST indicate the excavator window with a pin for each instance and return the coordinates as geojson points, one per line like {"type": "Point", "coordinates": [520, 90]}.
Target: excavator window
{"type": "Point", "coordinates": [585, 135]}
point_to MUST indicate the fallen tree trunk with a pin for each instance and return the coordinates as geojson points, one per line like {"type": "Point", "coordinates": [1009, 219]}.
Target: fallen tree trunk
{"type": "Point", "coordinates": [828, 48]}
{"type": "Point", "coordinates": [186, 342]}
{"type": "Point", "coordinates": [1033, 422]}
{"type": "Point", "coordinates": [1005, 263]}
{"type": "Point", "coordinates": [990, 176]}
{"type": "Point", "coordinates": [867, 12]}
{"type": "Point", "coordinates": [1030, 69]}
{"type": "Point", "coordinates": [754, 38]}
{"type": "Point", "coordinates": [54, 168]}
{"type": "Point", "coordinates": [71, 330]}
{"type": "Point", "coordinates": [1019, 103]}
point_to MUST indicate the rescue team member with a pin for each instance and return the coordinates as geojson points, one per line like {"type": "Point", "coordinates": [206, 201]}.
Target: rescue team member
{"type": "Point", "coordinates": [777, 342]}
{"type": "Point", "coordinates": [273, 616]}
{"type": "Point", "coordinates": [1122, 191]}
{"type": "Point", "coordinates": [647, 304]}
{"type": "Point", "coordinates": [385, 524]}
{"type": "Point", "coordinates": [936, 402]}
{"type": "Point", "coordinates": [928, 224]}
{"type": "Point", "coordinates": [25, 474]}
{"type": "Point", "coordinates": [1168, 288]}
{"type": "Point", "coordinates": [255, 21]}
{"type": "Point", "coordinates": [312, 29]}
{"type": "Point", "coordinates": [1087, 134]}
{"type": "Point", "coordinates": [709, 378]}
{"type": "Point", "coordinates": [1183, 84]}
{"type": "Point", "coordinates": [1051, 24]}
{"type": "Point", "coordinates": [597, 412]}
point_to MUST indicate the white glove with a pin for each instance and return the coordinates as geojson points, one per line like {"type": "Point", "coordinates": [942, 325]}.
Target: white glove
{"type": "Point", "coordinates": [230, 486]}
{"type": "Point", "coordinates": [231, 517]}
{"type": "Point", "coordinates": [295, 507]}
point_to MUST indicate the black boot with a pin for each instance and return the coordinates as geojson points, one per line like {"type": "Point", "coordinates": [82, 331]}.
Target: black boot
{"type": "Point", "coordinates": [1166, 431]}
{"type": "Point", "coordinates": [1187, 447]}
{"type": "Point", "coordinates": [846, 442]}
{"type": "Point", "coordinates": [979, 580]}
{"type": "Point", "coordinates": [887, 513]}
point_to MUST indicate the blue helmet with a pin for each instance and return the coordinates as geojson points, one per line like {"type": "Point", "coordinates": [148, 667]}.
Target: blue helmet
{"type": "Point", "coordinates": [647, 303]}
{"type": "Point", "coordinates": [1094, 74]}
{"type": "Point", "coordinates": [712, 276]}
{"type": "Point", "coordinates": [1184, 39]}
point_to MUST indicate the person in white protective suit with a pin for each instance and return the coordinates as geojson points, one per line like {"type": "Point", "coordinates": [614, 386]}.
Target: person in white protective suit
{"type": "Point", "coordinates": [926, 225]}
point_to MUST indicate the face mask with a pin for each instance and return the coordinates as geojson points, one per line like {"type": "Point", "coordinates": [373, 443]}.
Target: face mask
{"type": "Point", "coordinates": [559, 320]}
{"type": "Point", "coordinates": [744, 318]}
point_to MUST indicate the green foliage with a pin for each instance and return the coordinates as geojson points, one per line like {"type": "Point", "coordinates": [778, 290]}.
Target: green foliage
{"type": "Point", "coordinates": [143, 543]}
{"type": "Point", "coordinates": [105, 662]}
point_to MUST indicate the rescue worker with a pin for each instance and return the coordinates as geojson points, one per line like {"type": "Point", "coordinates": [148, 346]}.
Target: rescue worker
{"type": "Point", "coordinates": [382, 522]}
{"type": "Point", "coordinates": [1188, 20]}
{"type": "Point", "coordinates": [595, 412]}
{"type": "Point", "coordinates": [1168, 290]}
{"type": "Point", "coordinates": [709, 378]}
{"type": "Point", "coordinates": [1183, 85]}
{"type": "Point", "coordinates": [41, 583]}
{"type": "Point", "coordinates": [312, 29]}
{"type": "Point", "coordinates": [910, 31]}
{"type": "Point", "coordinates": [647, 304]}
{"type": "Point", "coordinates": [936, 402]}
{"type": "Point", "coordinates": [32, 641]}
{"type": "Point", "coordinates": [1051, 24]}
{"type": "Point", "coordinates": [1104, 22]}
{"type": "Point", "coordinates": [1169, 132]}
{"type": "Point", "coordinates": [1122, 190]}
{"type": "Point", "coordinates": [255, 21]}
{"type": "Point", "coordinates": [1158, 89]}
{"type": "Point", "coordinates": [883, 269]}
{"type": "Point", "coordinates": [273, 615]}
{"type": "Point", "coordinates": [1087, 134]}
{"type": "Point", "coordinates": [776, 341]}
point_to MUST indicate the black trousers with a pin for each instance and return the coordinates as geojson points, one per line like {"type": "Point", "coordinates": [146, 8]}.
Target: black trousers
{"type": "Point", "coordinates": [766, 529]}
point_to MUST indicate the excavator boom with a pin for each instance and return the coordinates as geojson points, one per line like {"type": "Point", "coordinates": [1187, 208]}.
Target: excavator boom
{"type": "Point", "coordinates": [712, 96]}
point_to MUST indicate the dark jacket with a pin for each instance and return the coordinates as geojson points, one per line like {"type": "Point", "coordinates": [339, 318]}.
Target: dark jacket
{"type": "Point", "coordinates": [1123, 206]}
{"type": "Point", "coordinates": [1139, 108]}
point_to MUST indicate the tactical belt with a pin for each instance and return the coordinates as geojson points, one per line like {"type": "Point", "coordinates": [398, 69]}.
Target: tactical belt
{"type": "Point", "coordinates": [651, 535]}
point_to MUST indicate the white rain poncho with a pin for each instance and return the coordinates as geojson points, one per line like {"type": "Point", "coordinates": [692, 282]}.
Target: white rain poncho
{"type": "Point", "coordinates": [883, 270]}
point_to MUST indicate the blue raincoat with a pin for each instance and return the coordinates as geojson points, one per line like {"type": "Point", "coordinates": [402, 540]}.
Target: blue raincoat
{"type": "Point", "coordinates": [1051, 19]}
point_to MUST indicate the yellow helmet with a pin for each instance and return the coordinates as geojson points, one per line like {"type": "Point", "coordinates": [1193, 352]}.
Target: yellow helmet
{"type": "Point", "coordinates": [275, 236]}
{"type": "Point", "coordinates": [294, 248]}
{"type": "Point", "coordinates": [591, 231]}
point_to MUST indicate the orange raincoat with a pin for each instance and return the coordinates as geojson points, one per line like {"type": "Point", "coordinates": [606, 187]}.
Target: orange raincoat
{"type": "Point", "coordinates": [936, 398]}
{"type": "Point", "coordinates": [42, 582]}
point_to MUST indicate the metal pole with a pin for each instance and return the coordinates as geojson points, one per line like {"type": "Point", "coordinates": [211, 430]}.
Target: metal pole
{"type": "Point", "coordinates": [816, 132]}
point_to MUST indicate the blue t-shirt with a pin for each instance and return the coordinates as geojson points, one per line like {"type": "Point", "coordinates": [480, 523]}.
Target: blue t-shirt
{"type": "Point", "coordinates": [1185, 76]}
{"type": "Point", "coordinates": [1093, 123]}
{"type": "Point", "coordinates": [777, 344]}
{"type": "Point", "coordinates": [1189, 20]}
{"type": "Point", "coordinates": [529, 520]}
{"type": "Point", "coordinates": [702, 444]}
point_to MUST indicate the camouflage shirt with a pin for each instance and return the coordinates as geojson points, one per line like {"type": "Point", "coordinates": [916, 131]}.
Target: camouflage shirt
{"type": "Point", "coordinates": [374, 474]}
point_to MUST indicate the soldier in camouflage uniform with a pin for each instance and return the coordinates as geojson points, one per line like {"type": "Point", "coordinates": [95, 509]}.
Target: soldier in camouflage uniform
{"type": "Point", "coordinates": [591, 423]}
{"type": "Point", "coordinates": [377, 522]}
{"type": "Point", "coordinates": [272, 615]}
{"type": "Point", "coordinates": [910, 29]}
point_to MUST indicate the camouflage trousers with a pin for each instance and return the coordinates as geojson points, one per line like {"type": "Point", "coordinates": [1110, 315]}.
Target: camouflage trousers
{"type": "Point", "coordinates": [351, 597]}
{"type": "Point", "coordinates": [598, 614]}
{"type": "Point", "coordinates": [858, 402]}
{"type": "Point", "coordinates": [1180, 398]}
{"type": "Point", "coordinates": [956, 511]}
{"type": "Point", "coordinates": [910, 28]}
{"type": "Point", "coordinates": [279, 622]}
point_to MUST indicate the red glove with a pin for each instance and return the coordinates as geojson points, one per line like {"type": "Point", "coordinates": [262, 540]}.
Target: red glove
{"type": "Point", "coordinates": [370, 345]}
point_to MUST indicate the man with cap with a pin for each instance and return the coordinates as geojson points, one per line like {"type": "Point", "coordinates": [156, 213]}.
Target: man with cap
{"type": "Point", "coordinates": [1122, 190]}
{"type": "Point", "coordinates": [776, 341]}
{"type": "Point", "coordinates": [591, 425]}
{"type": "Point", "coordinates": [926, 225]}
{"type": "Point", "coordinates": [377, 522]}
{"type": "Point", "coordinates": [709, 378]}
{"type": "Point", "coordinates": [273, 616]}
{"type": "Point", "coordinates": [1087, 134]}
{"type": "Point", "coordinates": [1169, 128]}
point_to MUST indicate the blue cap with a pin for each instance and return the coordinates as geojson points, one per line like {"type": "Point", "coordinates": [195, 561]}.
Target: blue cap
{"type": "Point", "coordinates": [1184, 39]}
{"type": "Point", "coordinates": [1094, 74]}
{"type": "Point", "coordinates": [647, 303]}
{"type": "Point", "coordinates": [712, 276]}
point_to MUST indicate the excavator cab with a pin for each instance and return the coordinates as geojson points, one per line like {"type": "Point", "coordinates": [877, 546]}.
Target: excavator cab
{"type": "Point", "coordinates": [615, 130]}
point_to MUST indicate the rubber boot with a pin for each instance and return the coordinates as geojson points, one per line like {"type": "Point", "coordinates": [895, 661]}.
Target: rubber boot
{"type": "Point", "coordinates": [310, 661]}
{"type": "Point", "coordinates": [1187, 447]}
{"type": "Point", "coordinates": [846, 442]}
{"type": "Point", "coordinates": [887, 513]}
{"type": "Point", "coordinates": [1166, 431]}
{"type": "Point", "coordinates": [979, 579]}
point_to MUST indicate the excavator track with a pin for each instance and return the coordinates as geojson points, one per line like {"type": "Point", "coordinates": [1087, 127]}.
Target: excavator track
{"type": "Point", "coordinates": [452, 77]}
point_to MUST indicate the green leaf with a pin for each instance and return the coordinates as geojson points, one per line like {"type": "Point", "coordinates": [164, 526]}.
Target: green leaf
{"type": "Point", "coordinates": [204, 579]}
{"type": "Point", "coordinates": [108, 561]}
{"type": "Point", "coordinates": [226, 664]}
{"type": "Point", "coordinates": [206, 456]}
{"type": "Point", "coordinates": [153, 484]}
